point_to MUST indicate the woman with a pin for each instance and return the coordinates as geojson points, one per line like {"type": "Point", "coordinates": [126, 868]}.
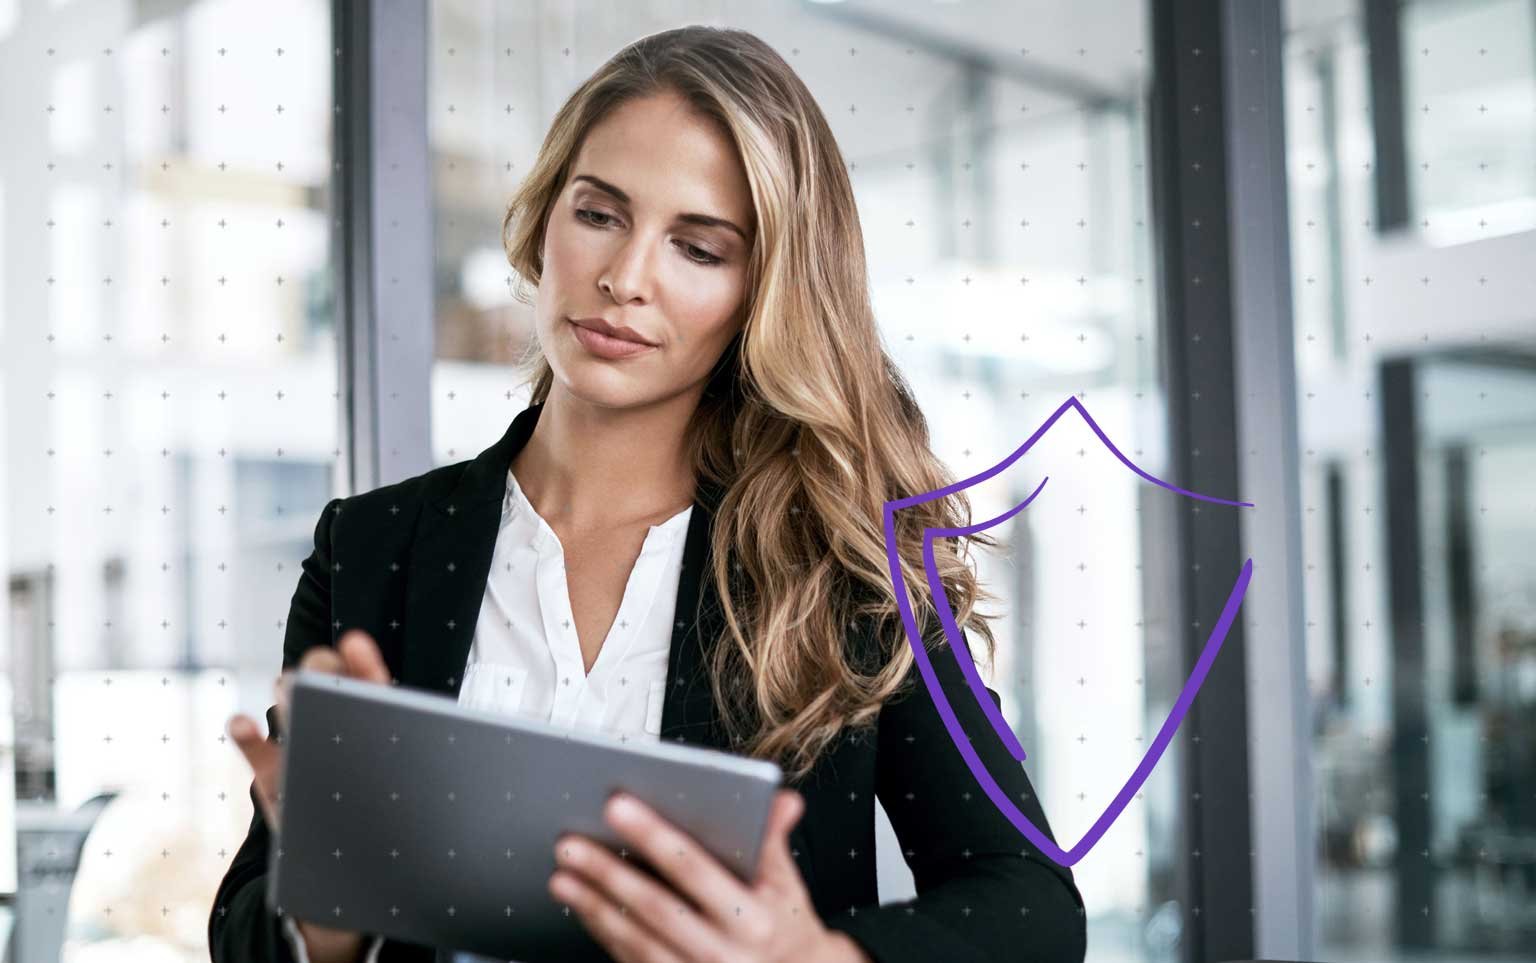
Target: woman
{"type": "Point", "coordinates": [691, 192]}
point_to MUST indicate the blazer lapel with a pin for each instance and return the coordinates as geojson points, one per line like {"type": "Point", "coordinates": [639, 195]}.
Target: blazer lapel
{"type": "Point", "coordinates": [688, 710]}
{"type": "Point", "coordinates": [451, 560]}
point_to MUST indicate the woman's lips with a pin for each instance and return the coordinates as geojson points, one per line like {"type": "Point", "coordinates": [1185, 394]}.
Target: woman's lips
{"type": "Point", "coordinates": [605, 347]}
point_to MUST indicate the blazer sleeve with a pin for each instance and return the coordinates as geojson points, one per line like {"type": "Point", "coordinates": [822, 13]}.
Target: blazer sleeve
{"type": "Point", "coordinates": [985, 893]}
{"type": "Point", "coordinates": [241, 927]}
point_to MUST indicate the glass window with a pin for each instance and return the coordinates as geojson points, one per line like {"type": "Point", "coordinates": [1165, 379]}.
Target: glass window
{"type": "Point", "coordinates": [169, 438]}
{"type": "Point", "coordinates": [1469, 95]}
{"type": "Point", "coordinates": [1425, 805]}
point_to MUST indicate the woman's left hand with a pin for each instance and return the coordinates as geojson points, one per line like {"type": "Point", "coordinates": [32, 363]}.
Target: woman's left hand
{"type": "Point", "coordinates": [637, 919]}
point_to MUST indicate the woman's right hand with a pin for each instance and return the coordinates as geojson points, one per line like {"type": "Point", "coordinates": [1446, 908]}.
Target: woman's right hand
{"type": "Point", "coordinates": [357, 656]}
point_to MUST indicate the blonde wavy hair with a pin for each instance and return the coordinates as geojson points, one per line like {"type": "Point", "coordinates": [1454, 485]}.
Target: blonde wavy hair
{"type": "Point", "coordinates": [805, 423]}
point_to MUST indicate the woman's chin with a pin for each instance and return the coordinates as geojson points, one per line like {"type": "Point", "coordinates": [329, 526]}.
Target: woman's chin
{"type": "Point", "coordinates": [599, 385]}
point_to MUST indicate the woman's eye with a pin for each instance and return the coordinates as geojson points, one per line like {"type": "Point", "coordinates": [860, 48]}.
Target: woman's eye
{"type": "Point", "coordinates": [707, 259]}
{"type": "Point", "coordinates": [694, 253]}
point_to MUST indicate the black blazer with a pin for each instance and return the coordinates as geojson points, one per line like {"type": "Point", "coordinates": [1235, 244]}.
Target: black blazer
{"type": "Point", "coordinates": [408, 563]}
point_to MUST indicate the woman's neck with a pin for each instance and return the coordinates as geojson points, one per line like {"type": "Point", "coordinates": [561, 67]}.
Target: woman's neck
{"type": "Point", "coordinates": [592, 468]}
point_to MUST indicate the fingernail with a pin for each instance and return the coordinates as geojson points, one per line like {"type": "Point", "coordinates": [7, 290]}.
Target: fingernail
{"type": "Point", "coordinates": [623, 807]}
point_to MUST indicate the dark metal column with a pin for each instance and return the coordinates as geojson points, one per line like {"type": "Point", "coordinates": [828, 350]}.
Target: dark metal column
{"type": "Point", "coordinates": [1413, 874]}
{"type": "Point", "coordinates": [1189, 161]}
{"type": "Point", "coordinates": [382, 238]}
{"type": "Point", "coordinates": [1218, 155]}
{"type": "Point", "coordinates": [1338, 584]}
{"type": "Point", "coordinates": [1278, 699]}
{"type": "Point", "coordinates": [1383, 39]}
{"type": "Point", "coordinates": [1460, 563]}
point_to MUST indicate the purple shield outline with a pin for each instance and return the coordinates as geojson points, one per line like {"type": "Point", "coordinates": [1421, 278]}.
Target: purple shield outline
{"type": "Point", "coordinates": [967, 665]}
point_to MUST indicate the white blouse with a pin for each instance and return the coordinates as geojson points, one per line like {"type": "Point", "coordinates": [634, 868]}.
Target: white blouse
{"type": "Point", "coordinates": [525, 659]}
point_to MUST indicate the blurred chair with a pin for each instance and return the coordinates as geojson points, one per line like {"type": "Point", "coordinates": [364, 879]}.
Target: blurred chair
{"type": "Point", "coordinates": [48, 846]}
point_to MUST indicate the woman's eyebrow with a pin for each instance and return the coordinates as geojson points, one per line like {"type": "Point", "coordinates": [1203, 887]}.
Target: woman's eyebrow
{"type": "Point", "coordinates": [704, 220]}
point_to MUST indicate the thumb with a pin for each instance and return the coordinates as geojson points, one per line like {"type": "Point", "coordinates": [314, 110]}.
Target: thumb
{"type": "Point", "coordinates": [362, 657]}
{"type": "Point", "coordinates": [242, 728]}
{"type": "Point", "coordinates": [778, 863]}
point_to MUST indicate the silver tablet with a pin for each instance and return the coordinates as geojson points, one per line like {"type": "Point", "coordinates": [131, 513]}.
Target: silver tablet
{"type": "Point", "coordinates": [406, 814]}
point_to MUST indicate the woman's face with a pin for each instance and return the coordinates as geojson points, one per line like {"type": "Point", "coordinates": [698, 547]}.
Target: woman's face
{"type": "Point", "coordinates": [624, 244]}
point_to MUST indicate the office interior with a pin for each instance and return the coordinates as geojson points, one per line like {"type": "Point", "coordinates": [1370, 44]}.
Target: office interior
{"type": "Point", "coordinates": [1281, 252]}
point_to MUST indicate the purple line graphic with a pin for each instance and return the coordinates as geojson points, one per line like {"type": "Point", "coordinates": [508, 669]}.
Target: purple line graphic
{"type": "Point", "coordinates": [973, 678]}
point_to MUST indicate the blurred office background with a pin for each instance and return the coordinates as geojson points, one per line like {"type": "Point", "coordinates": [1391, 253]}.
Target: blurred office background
{"type": "Point", "coordinates": [192, 365]}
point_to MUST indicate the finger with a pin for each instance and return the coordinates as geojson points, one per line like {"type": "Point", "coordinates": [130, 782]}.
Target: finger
{"type": "Point", "coordinates": [247, 735]}
{"type": "Point", "coordinates": [263, 756]}
{"type": "Point", "coordinates": [281, 688]}
{"type": "Point", "coordinates": [777, 863]}
{"type": "Point", "coordinates": [317, 658]}
{"type": "Point", "coordinates": [362, 656]}
{"type": "Point", "coordinates": [627, 930]}
{"type": "Point", "coordinates": [670, 917]}
{"type": "Point", "coordinates": [322, 658]}
{"type": "Point", "coordinates": [680, 860]}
